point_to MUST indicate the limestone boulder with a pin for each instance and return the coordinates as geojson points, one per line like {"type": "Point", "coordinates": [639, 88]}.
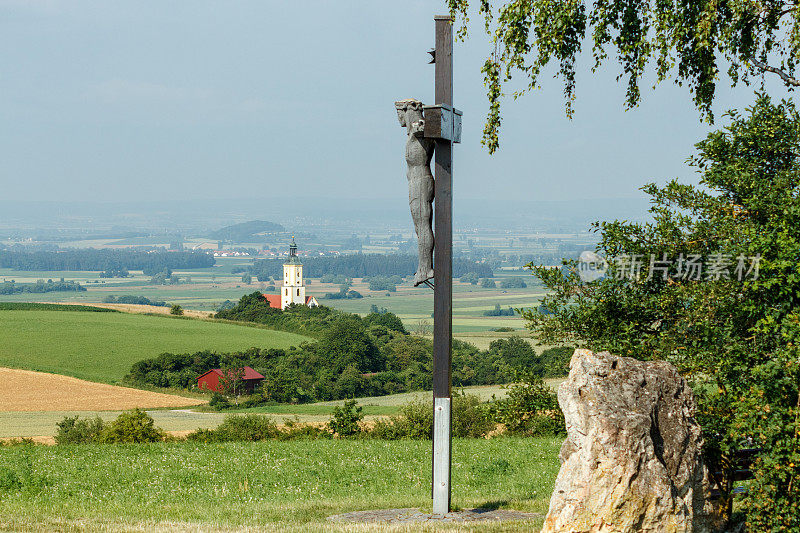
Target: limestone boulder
{"type": "Point", "coordinates": [632, 458]}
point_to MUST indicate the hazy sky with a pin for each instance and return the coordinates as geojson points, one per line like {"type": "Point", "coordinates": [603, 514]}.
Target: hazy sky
{"type": "Point", "coordinates": [111, 100]}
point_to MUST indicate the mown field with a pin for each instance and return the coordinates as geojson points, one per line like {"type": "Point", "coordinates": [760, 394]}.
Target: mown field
{"type": "Point", "coordinates": [273, 486]}
{"type": "Point", "coordinates": [103, 346]}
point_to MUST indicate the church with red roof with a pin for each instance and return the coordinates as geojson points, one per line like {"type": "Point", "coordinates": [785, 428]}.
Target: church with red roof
{"type": "Point", "coordinates": [293, 290]}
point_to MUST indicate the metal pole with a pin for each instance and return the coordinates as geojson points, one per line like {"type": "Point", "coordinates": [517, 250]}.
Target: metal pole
{"type": "Point", "coordinates": [443, 280]}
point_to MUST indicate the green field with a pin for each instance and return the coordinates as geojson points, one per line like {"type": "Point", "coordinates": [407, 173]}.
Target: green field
{"type": "Point", "coordinates": [103, 346]}
{"type": "Point", "coordinates": [210, 287]}
{"type": "Point", "coordinates": [277, 486]}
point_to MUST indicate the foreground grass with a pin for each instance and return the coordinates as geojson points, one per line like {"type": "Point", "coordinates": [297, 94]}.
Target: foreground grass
{"type": "Point", "coordinates": [275, 485]}
{"type": "Point", "coordinates": [103, 346]}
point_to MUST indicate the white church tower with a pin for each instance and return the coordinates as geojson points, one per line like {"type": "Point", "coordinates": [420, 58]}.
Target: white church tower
{"type": "Point", "coordinates": [294, 292]}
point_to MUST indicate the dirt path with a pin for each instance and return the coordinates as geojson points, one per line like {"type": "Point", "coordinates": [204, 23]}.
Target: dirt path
{"type": "Point", "coordinates": [24, 390]}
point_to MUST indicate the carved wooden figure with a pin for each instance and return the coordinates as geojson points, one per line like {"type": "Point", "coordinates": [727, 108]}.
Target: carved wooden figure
{"type": "Point", "coordinates": [419, 152]}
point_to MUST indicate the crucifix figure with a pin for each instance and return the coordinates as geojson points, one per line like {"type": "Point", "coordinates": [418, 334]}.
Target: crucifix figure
{"type": "Point", "coordinates": [429, 135]}
{"type": "Point", "coordinates": [419, 152]}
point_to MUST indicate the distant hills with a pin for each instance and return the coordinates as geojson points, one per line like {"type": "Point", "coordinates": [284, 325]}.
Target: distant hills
{"type": "Point", "coordinates": [250, 231]}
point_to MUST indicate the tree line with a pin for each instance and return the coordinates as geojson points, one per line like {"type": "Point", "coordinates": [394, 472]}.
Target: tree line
{"type": "Point", "coordinates": [351, 357]}
{"type": "Point", "coordinates": [361, 265]}
{"type": "Point", "coordinates": [11, 287]}
{"type": "Point", "coordinates": [151, 262]}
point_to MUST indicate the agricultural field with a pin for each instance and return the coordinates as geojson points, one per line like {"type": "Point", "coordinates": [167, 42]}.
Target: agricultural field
{"type": "Point", "coordinates": [103, 346]}
{"type": "Point", "coordinates": [264, 486]}
{"type": "Point", "coordinates": [25, 390]}
{"type": "Point", "coordinates": [207, 288]}
{"type": "Point", "coordinates": [42, 423]}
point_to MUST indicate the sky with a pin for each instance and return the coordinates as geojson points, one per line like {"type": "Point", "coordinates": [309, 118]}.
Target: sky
{"type": "Point", "coordinates": [109, 101]}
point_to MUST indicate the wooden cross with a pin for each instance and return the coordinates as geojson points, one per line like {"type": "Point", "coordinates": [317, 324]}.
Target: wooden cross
{"type": "Point", "coordinates": [443, 263]}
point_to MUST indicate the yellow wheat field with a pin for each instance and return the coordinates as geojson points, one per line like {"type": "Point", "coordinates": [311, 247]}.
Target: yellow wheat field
{"type": "Point", "coordinates": [24, 390]}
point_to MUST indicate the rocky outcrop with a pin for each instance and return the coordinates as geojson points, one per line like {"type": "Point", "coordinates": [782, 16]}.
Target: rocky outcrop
{"type": "Point", "coordinates": [632, 459]}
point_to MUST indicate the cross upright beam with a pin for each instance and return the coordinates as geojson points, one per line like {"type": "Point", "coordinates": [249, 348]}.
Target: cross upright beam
{"type": "Point", "coordinates": [443, 279]}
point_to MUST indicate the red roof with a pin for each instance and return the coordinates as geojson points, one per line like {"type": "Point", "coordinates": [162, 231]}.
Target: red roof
{"type": "Point", "coordinates": [249, 373]}
{"type": "Point", "coordinates": [274, 300]}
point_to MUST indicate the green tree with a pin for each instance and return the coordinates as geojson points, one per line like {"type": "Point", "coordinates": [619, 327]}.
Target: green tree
{"type": "Point", "coordinates": [346, 342]}
{"type": "Point", "coordinates": [401, 352]}
{"type": "Point", "coordinates": [387, 319]}
{"type": "Point", "coordinates": [685, 42]}
{"type": "Point", "coordinates": [732, 328]}
{"type": "Point", "coordinates": [247, 278]}
{"type": "Point", "coordinates": [513, 283]}
{"type": "Point", "coordinates": [517, 353]}
{"type": "Point", "coordinates": [176, 310]}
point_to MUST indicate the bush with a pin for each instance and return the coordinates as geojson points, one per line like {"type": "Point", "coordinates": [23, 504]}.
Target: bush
{"type": "Point", "coordinates": [219, 402]}
{"type": "Point", "coordinates": [488, 283]}
{"type": "Point", "coordinates": [345, 420]}
{"type": "Point", "coordinates": [131, 427]}
{"type": "Point", "coordinates": [248, 428]}
{"type": "Point", "coordinates": [530, 409]}
{"type": "Point", "coordinates": [176, 310]}
{"type": "Point", "coordinates": [75, 430]}
{"type": "Point", "coordinates": [470, 418]}
{"type": "Point", "coordinates": [293, 429]}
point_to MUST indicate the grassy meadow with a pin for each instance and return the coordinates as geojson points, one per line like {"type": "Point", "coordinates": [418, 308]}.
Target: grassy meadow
{"type": "Point", "coordinates": [103, 346]}
{"type": "Point", "coordinates": [272, 485]}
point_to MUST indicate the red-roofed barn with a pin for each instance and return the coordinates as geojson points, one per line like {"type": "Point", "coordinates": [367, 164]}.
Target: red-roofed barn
{"type": "Point", "coordinates": [213, 380]}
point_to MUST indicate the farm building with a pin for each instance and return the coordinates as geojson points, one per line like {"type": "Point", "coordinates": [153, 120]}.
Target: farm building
{"type": "Point", "coordinates": [213, 380]}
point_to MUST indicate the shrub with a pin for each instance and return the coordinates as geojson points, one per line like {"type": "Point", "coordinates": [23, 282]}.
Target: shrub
{"type": "Point", "coordinates": [295, 430]}
{"type": "Point", "coordinates": [345, 419]}
{"type": "Point", "coordinates": [219, 402]}
{"type": "Point", "coordinates": [130, 427]}
{"type": "Point", "coordinates": [75, 430]}
{"type": "Point", "coordinates": [470, 418]}
{"type": "Point", "coordinates": [488, 283]}
{"type": "Point", "coordinates": [239, 428]}
{"type": "Point", "coordinates": [415, 421]}
{"type": "Point", "coordinates": [176, 310]}
{"type": "Point", "coordinates": [530, 409]}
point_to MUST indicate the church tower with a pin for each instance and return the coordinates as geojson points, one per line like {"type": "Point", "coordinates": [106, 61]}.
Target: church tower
{"type": "Point", "coordinates": [294, 292]}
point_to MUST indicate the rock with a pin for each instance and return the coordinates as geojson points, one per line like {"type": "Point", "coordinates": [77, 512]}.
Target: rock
{"type": "Point", "coordinates": [632, 459]}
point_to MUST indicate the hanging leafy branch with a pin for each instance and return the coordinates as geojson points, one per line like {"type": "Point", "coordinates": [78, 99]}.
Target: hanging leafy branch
{"type": "Point", "coordinates": [686, 42]}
